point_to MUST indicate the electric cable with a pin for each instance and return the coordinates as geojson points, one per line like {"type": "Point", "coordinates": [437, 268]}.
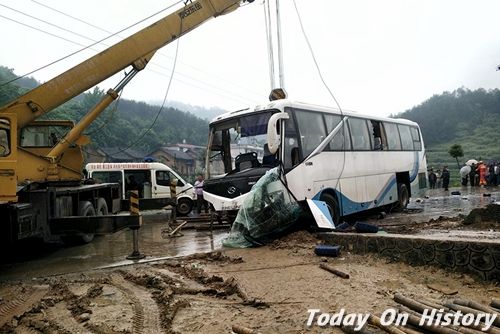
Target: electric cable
{"type": "Point", "coordinates": [85, 47]}
{"type": "Point", "coordinates": [165, 97]}
{"type": "Point", "coordinates": [344, 126]}
{"type": "Point", "coordinates": [46, 22]}
{"type": "Point", "coordinates": [164, 100]}
{"type": "Point", "coordinates": [151, 63]}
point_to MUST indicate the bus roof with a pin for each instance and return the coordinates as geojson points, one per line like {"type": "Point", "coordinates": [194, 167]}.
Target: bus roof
{"type": "Point", "coordinates": [282, 104]}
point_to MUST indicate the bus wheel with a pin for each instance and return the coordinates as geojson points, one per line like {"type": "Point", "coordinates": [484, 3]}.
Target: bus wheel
{"type": "Point", "coordinates": [403, 197]}
{"type": "Point", "coordinates": [86, 209]}
{"type": "Point", "coordinates": [184, 206]}
{"type": "Point", "coordinates": [333, 207]}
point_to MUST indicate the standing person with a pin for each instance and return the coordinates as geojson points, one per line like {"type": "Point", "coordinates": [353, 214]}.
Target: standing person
{"type": "Point", "coordinates": [445, 175]}
{"type": "Point", "coordinates": [464, 174]}
{"type": "Point", "coordinates": [432, 179]}
{"type": "Point", "coordinates": [497, 173]}
{"type": "Point", "coordinates": [439, 179]}
{"type": "Point", "coordinates": [472, 175]}
{"type": "Point", "coordinates": [481, 169]}
{"type": "Point", "coordinates": [198, 189]}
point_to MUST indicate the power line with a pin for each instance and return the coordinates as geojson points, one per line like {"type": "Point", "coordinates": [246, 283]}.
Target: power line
{"type": "Point", "coordinates": [231, 95]}
{"type": "Point", "coordinates": [48, 23]}
{"type": "Point", "coordinates": [164, 100]}
{"type": "Point", "coordinates": [86, 47]}
{"type": "Point", "coordinates": [71, 16]}
{"type": "Point", "coordinates": [158, 53]}
{"type": "Point", "coordinates": [314, 57]}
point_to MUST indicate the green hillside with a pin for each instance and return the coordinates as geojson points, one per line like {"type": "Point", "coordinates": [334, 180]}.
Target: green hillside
{"type": "Point", "coordinates": [124, 124]}
{"type": "Point", "coordinates": [470, 118]}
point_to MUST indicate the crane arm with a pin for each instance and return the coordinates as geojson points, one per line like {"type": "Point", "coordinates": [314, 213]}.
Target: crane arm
{"type": "Point", "coordinates": [135, 51]}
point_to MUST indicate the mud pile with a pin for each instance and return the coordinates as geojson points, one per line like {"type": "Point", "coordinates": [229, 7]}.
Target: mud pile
{"type": "Point", "coordinates": [490, 215]}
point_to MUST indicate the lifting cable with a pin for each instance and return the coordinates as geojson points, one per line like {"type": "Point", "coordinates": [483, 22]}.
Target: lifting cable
{"type": "Point", "coordinates": [328, 89]}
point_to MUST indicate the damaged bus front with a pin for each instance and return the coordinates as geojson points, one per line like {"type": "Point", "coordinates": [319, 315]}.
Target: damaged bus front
{"type": "Point", "coordinates": [239, 154]}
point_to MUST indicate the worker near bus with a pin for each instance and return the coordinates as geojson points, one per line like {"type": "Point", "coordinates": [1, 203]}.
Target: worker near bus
{"type": "Point", "coordinates": [198, 189]}
{"type": "Point", "coordinates": [445, 175]}
{"type": "Point", "coordinates": [481, 169]}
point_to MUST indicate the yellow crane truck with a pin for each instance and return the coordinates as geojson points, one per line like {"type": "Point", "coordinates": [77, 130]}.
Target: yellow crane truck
{"type": "Point", "coordinates": [42, 193]}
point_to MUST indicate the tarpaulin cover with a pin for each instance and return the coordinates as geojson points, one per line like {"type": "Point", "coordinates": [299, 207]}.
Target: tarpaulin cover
{"type": "Point", "coordinates": [267, 211]}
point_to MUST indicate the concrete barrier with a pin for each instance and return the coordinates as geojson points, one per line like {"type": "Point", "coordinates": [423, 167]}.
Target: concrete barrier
{"type": "Point", "coordinates": [477, 257]}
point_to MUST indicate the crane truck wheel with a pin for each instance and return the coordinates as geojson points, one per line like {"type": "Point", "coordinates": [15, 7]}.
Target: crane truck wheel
{"type": "Point", "coordinates": [101, 207]}
{"type": "Point", "coordinates": [86, 209]}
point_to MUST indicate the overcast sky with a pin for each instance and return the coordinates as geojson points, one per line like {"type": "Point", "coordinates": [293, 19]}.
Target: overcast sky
{"type": "Point", "coordinates": [377, 57]}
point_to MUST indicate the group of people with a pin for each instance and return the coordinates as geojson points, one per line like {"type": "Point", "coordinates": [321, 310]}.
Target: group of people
{"type": "Point", "coordinates": [481, 174]}
{"type": "Point", "coordinates": [478, 174]}
{"type": "Point", "coordinates": [439, 179]}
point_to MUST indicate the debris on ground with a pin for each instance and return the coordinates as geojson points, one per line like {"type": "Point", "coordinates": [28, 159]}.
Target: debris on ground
{"type": "Point", "coordinates": [263, 289]}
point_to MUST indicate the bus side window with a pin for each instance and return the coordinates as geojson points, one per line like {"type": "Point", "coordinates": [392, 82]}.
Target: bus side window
{"type": "Point", "coordinates": [406, 139]}
{"type": "Point", "coordinates": [359, 134]}
{"type": "Point", "coordinates": [312, 130]}
{"type": "Point", "coordinates": [393, 140]}
{"type": "Point", "coordinates": [417, 144]}
{"type": "Point", "coordinates": [292, 156]}
{"type": "Point", "coordinates": [379, 141]}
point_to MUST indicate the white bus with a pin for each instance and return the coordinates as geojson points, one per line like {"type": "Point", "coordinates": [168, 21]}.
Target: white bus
{"type": "Point", "coordinates": [352, 162]}
{"type": "Point", "coordinates": [151, 179]}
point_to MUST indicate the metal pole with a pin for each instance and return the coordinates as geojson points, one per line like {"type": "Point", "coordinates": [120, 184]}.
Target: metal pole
{"type": "Point", "coordinates": [280, 48]}
{"type": "Point", "coordinates": [173, 196]}
{"type": "Point", "coordinates": [134, 210]}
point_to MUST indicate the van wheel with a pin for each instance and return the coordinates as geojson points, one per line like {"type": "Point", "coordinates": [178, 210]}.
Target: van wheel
{"type": "Point", "coordinates": [184, 206]}
{"type": "Point", "coordinates": [403, 197]}
{"type": "Point", "coordinates": [333, 207]}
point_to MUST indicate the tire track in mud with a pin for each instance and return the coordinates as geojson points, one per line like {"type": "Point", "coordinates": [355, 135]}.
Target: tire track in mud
{"type": "Point", "coordinates": [26, 330]}
{"type": "Point", "coordinates": [62, 318]}
{"type": "Point", "coordinates": [20, 304]}
{"type": "Point", "coordinates": [146, 313]}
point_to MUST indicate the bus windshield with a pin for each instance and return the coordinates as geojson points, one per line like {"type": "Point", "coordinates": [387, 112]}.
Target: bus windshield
{"type": "Point", "coordinates": [236, 140]}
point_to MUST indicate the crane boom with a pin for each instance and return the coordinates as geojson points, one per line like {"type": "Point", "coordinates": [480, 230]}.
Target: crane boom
{"type": "Point", "coordinates": [135, 51]}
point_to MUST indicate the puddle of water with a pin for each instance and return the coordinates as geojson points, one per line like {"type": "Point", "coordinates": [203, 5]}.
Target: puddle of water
{"type": "Point", "coordinates": [440, 203]}
{"type": "Point", "coordinates": [110, 250]}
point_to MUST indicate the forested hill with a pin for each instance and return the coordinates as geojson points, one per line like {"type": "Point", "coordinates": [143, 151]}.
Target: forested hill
{"type": "Point", "coordinates": [124, 122]}
{"type": "Point", "coordinates": [470, 118]}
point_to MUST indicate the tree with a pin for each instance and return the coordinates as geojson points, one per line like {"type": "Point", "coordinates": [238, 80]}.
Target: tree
{"type": "Point", "coordinates": [456, 152]}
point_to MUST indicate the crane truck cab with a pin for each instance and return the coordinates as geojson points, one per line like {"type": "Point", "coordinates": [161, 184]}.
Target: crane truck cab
{"type": "Point", "coordinates": [151, 179]}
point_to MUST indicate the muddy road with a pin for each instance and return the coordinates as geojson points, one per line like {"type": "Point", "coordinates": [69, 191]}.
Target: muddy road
{"type": "Point", "coordinates": [39, 260]}
{"type": "Point", "coordinates": [189, 284]}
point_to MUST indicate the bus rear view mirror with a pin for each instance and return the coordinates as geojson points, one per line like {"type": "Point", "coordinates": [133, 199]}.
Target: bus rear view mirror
{"type": "Point", "coordinates": [273, 137]}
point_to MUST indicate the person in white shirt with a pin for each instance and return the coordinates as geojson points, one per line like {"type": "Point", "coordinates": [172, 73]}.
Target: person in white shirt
{"type": "Point", "coordinates": [198, 189]}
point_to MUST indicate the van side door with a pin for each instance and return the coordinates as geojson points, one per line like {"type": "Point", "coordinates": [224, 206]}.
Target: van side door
{"type": "Point", "coordinates": [161, 187]}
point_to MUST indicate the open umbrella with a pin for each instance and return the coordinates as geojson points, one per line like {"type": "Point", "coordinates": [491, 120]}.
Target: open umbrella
{"type": "Point", "coordinates": [464, 171]}
{"type": "Point", "coordinates": [471, 162]}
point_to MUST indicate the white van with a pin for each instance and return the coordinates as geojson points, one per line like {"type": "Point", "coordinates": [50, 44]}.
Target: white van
{"type": "Point", "coordinates": [151, 179]}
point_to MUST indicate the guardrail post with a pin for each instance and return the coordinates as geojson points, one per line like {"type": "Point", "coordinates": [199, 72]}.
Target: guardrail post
{"type": "Point", "coordinates": [173, 196]}
{"type": "Point", "coordinates": [134, 210]}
